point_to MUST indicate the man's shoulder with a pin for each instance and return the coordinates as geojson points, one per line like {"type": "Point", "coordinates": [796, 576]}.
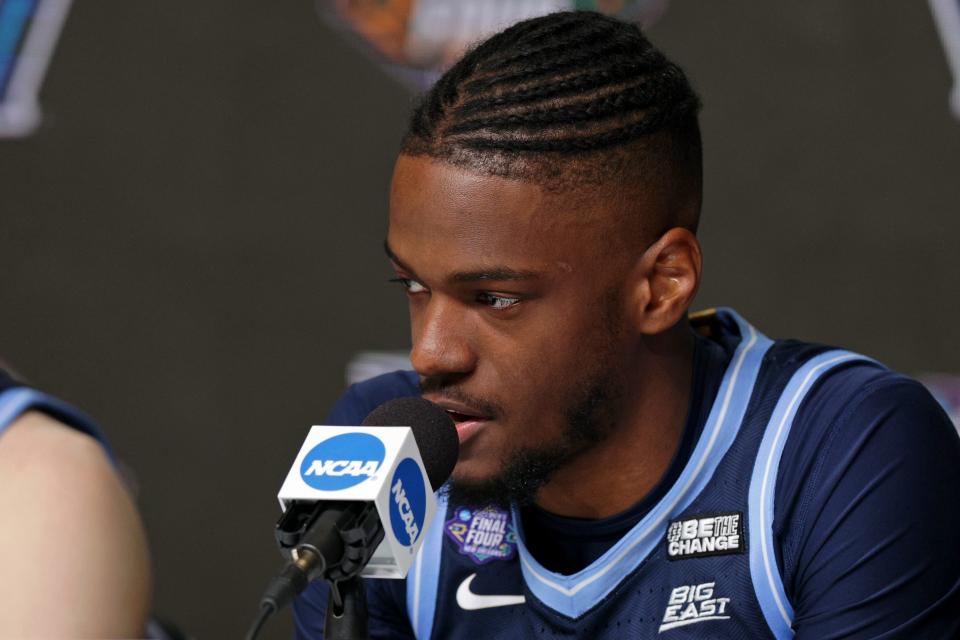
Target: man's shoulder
{"type": "Point", "coordinates": [54, 457]}
{"type": "Point", "coordinates": [55, 479]}
{"type": "Point", "coordinates": [853, 391]}
{"type": "Point", "coordinates": [858, 503]}
{"type": "Point", "coordinates": [849, 401]}
{"type": "Point", "coordinates": [838, 393]}
{"type": "Point", "coordinates": [363, 397]}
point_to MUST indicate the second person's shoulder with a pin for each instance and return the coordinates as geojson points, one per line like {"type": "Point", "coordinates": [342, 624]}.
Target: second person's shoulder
{"type": "Point", "coordinates": [363, 397]}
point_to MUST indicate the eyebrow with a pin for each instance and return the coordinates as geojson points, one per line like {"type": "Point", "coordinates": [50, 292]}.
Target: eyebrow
{"type": "Point", "coordinates": [490, 273]}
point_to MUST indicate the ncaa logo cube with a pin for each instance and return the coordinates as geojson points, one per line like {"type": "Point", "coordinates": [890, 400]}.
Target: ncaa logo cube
{"type": "Point", "coordinates": [408, 502]}
{"type": "Point", "coordinates": [342, 461]}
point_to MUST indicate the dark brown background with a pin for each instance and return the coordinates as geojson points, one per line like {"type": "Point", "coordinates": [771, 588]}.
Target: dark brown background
{"type": "Point", "coordinates": [190, 246]}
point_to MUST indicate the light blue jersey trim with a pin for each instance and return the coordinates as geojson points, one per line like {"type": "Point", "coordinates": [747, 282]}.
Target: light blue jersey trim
{"type": "Point", "coordinates": [423, 580]}
{"type": "Point", "coordinates": [576, 594]}
{"type": "Point", "coordinates": [16, 401]}
{"type": "Point", "coordinates": [767, 582]}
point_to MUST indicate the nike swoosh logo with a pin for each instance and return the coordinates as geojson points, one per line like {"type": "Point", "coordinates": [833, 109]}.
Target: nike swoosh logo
{"type": "Point", "coordinates": [471, 601]}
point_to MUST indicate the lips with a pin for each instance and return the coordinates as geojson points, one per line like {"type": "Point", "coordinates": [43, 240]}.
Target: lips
{"type": "Point", "coordinates": [462, 417]}
{"type": "Point", "coordinates": [467, 419]}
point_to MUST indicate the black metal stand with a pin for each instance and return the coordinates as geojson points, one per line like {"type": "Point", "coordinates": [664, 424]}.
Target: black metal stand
{"type": "Point", "coordinates": [346, 611]}
{"type": "Point", "coordinates": [342, 536]}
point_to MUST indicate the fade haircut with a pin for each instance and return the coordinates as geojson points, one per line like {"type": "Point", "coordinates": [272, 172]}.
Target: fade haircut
{"type": "Point", "coordinates": [566, 98]}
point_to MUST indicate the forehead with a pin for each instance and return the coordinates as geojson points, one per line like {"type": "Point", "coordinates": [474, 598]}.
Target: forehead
{"type": "Point", "coordinates": [439, 208]}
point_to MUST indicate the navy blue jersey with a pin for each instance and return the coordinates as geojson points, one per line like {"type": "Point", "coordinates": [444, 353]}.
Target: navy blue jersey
{"type": "Point", "coordinates": [816, 499]}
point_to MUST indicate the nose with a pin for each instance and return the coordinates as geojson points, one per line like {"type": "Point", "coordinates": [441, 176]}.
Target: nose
{"type": "Point", "coordinates": [441, 339]}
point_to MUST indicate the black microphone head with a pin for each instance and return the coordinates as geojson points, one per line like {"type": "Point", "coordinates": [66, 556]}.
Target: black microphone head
{"type": "Point", "coordinates": [433, 430]}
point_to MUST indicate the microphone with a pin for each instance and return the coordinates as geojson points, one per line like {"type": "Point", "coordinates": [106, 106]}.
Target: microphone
{"type": "Point", "coordinates": [357, 501]}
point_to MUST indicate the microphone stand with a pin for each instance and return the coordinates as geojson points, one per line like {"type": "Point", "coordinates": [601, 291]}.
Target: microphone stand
{"type": "Point", "coordinates": [333, 541]}
{"type": "Point", "coordinates": [346, 617]}
{"type": "Point", "coordinates": [342, 537]}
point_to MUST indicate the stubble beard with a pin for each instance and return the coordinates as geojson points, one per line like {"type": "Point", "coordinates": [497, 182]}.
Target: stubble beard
{"type": "Point", "coordinates": [526, 470]}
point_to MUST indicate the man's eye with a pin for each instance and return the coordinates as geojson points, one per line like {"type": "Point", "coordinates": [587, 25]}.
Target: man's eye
{"type": "Point", "coordinates": [496, 302]}
{"type": "Point", "coordinates": [412, 286]}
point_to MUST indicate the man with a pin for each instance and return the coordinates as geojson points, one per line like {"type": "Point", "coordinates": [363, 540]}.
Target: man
{"type": "Point", "coordinates": [627, 469]}
{"type": "Point", "coordinates": [72, 547]}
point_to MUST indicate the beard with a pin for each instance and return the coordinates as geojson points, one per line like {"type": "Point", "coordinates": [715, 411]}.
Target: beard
{"type": "Point", "coordinates": [588, 421]}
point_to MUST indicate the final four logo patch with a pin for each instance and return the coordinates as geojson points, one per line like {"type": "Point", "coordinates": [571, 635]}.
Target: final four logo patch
{"type": "Point", "coordinates": [705, 535]}
{"type": "Point", "coordinates": [483, 534]}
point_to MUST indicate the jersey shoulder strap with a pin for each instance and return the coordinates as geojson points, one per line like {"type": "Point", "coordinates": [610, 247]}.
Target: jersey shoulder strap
{"type": "Point", "coordinates": [766, 577]}
{"type": "Point", "coordinates": [16, 399]}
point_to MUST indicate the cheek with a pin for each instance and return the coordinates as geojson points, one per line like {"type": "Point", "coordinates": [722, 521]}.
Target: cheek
{"type": "Point", "coordinates": [550, 375]}
{"type": "Point", "coordinates": [535, 380]}
{"type": "Point", "coordinates": [553, 349]}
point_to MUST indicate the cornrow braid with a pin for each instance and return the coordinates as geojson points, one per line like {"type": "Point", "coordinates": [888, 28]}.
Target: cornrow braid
{"type": "Point", "coordinates": [550, 66]}
{"type": "Point", "coordinates": [576, 84]}
{"type": "Point", "coordinates": [585, 143]}
{"type": "Point", "coordinates": [556, 88]}
{"type": "Point", "coordinates": [542, 49]}
{"type": "Point", "coordinates": [619, 103]}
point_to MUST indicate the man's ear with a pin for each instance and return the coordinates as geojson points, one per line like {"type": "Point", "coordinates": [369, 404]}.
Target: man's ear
{"type": "Point", "coordinates": [664, 281]}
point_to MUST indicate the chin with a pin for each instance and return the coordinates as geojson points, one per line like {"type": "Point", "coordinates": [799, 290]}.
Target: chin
{"type": "Point", "coordinates": [475, 471]}
{"type": "Point", "coordinates": [476, 485]}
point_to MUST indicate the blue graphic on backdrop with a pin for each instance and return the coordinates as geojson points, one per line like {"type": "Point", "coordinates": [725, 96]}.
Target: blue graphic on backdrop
{"type": "Point", "coordinates": [342, 461]}
{"type": "Point", "coordinates": [15, 18]}
{"type": "Point", "coordinates": [28, 31]}
{"type": "Point", "coordinates": [483, 535]}
{"type": "Point", "coordinates": [408, 502]}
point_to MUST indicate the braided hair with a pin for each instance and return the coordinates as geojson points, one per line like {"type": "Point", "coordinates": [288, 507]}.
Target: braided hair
{"type": "Point", "coordinates": [566, 96]}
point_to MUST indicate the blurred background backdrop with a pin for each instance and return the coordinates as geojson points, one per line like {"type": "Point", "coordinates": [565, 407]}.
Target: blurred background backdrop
{"type": "Point", "coordinates": [190, 243]}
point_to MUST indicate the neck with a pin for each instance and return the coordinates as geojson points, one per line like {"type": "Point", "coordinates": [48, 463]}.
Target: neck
{"type": "Point", "coordinates": [617, 473]}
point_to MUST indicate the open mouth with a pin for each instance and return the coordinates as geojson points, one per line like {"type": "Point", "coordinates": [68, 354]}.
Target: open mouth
{"type": "Point", "coordinates": [459, 417]}
{"type": "Point", "coordinates": [467, 425]}
{"type": "Point", "coordinates": [467, 419]}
